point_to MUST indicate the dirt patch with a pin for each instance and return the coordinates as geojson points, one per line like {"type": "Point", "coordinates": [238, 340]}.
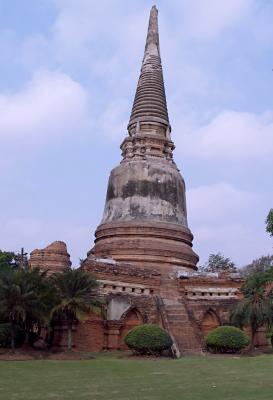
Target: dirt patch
{"type": "Point", "coordinates": [27, 354]}
{"type": "Point", "coordinates": [9, 356]}
{"type": "Point", "coordinates": [31, 354]}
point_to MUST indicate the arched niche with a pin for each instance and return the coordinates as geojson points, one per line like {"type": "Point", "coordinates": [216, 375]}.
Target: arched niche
{"type": "Point", "coordinates": [131, 319]}
{"type": "Point", "coordinates": [210, 321]}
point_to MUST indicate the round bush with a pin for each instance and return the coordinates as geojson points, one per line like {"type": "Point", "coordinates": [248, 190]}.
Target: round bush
{"type": "Point", "coordinates": [227, 339]}
{"type": "Point", "coordinates": [148, 339]}
{"type": "Point", "coordinates": [5, 335]}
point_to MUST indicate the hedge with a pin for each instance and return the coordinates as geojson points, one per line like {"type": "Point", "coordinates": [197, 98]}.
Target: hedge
{"type": "Point", "coordinates": [227, 339]}
{"type": "Point", "coordinates": [148, 339]}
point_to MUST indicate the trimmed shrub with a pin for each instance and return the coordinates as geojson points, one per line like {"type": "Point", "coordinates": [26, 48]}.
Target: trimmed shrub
{"type": "Point", "coordinates": [5, 335]}
{"type": "Point", "coordinates": [227, 339]}
{"type": "Point", "coordinates": [148, 339]}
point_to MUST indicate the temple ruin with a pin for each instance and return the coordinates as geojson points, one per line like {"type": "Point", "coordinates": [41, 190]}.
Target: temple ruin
{"type": "Point", "coordinates": [143, 256]}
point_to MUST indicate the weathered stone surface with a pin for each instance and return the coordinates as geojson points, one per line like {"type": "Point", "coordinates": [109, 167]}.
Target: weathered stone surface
{"type": "Point", "coordinates": [146, 190]}
{"type": "Point", "coordinates": [123, 275]}
{"type": "Point", "coordinates": [150, 99]}
{"type": "Point", "coordinates": [53, 258]}
{"type": "Point", "coordinates": [145, 215]}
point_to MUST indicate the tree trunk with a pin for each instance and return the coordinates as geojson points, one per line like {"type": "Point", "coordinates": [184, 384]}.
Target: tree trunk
{"type": "Point", "coordinates": [12, 333]}
{"type": "Point", "coordinates": [252, 339]}
{"type": "Point", "coordinates": [69, 337]}
{"type": "Point", "coordinates": [27, 336]}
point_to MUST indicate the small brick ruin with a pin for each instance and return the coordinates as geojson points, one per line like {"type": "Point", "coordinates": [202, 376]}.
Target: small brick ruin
{"type": "Point", "coordinates": [53, 258]}
{"type": "Point", "coordinates": [143, 256]}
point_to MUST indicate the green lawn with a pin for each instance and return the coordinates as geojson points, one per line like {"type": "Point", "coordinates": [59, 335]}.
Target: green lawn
{"type": "Point", "coordinates": [111, 378]}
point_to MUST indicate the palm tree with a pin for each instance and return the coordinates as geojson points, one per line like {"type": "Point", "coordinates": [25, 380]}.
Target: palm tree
{"type": "Point", "coordinates": [46, 298]}
{"type": "Point", "coordinates": [77, 297]}
{"type": "Point", "coordinates": [255, 309]}
{"type": "Point", "coordinates": [25, 299]}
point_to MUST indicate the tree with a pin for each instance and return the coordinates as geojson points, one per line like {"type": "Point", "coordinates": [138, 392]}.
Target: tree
{"type": "Point", "coordinates": [218, 263]}
{"type": "Point", "coordinates": [255, 309]}
{"type": "Point", "coordinates": [258, 281]}
{"type": "Point", "coordinates": [6, 259]}
{"type": "Point", "coordinates": [261, 264]}
{"type": "Point", "coordinates": [77, 297]}
{"type": "Point", "coordinates": [21, 260]}
{"type": "Point", "coordinates": [9, 259]}
{"type": "Point", "coordinates": [46, 298]}
{"type": "Point", "coordinates": [269, 222]}
{"type": "Point", "coordinates": [25, 299]}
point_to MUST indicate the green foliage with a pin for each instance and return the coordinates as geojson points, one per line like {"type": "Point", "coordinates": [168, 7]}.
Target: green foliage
{"type": "Point", "coordinates": [256, 282]}
{"type": "Point", "coordinates": [255, 309]}
{"type": "Point", "coordinates": [26, 294]}
{"type": "Point", "coordinates": [7, 262]}
{"type": "Point", "coordinates": [260, 265]}
{"type": "Point", "coordinates": [26, 298]}
{"type": "Point", "coordinates": [6, 259]}
{"type": "Point", "coordinates": [6, 335]}
{"type": "Point", "coordinates": [218, 263]}
{"type": "Point", "coordinates": [269, 222]}
{"type": "Point", "coordinates": [13, 260]}
{"type": "Point", "coordinates": [76, 297]}
{"type": "Point", "coordinates": [148, 339]}
{"type": "Point", "coordinates": [227, 339]}
{"type": "Point", "coordinates": [30, 299]}
{"type": "Point", "coordinates": [76, 293]}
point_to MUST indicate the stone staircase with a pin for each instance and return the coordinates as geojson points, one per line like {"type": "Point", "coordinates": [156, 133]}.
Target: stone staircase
{"type": "Point", "coordinates": [182, 330]}
{"type": "Point", "coordinates": [177, 321]}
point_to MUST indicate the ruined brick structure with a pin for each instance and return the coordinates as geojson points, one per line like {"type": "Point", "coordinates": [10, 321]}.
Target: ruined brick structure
{"type": "Point", "coordinates": [143, 256]}
{"type": "Point", "coordinates": [53, 258]}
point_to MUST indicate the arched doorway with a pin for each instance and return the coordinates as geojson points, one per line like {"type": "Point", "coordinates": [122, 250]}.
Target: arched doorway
{"type": "Point", "coordinates": [131, 319]}
{"type": "Point", "coordinates": [210, 321]}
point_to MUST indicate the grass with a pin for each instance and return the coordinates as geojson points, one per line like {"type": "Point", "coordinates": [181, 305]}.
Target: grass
{"type": "Point", "coordinates": [112, 378]}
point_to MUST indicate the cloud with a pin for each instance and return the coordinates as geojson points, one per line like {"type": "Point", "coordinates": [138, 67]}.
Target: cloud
{"type": "Point", "coordinates": [101, 44]}
{"type": "Point", "coordinates": [231, 135]}
{"type": "Point", "coordinates": [240, 241]}
{"type": "Point", "coordinates": [31, 233]}
{"type": "Point", "coordinates": [207, 19]}
{"type": "Point", "coordinates": [49, 104]}
{"type": "Point", "coordinates": [113, 120]}
{"type": "Point", "coordinates": [226, 219]}
{"type": "Point", "coordinates": [35, 51]}
{"type": "Point", "coordinates": [83, 28]}
{"type": "Point", "coordinates": [80, 21]}
{"type": "Point", "coordinates": [219, 202]}
{"type": "Point", "coordinates": [106, 40]}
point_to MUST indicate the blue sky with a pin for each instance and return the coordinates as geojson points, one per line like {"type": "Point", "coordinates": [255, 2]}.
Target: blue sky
{"type": "Point", "coordinates": [68, 73]}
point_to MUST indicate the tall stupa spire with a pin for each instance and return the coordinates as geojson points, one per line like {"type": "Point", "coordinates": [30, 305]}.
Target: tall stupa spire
{"type": "Point", "coordinates": [149, 128]}
{"type": "Point", "coordinates": [150, 100]}
{"type": "Point", "coordinates": [145, 216]}
{"type": "Point", "coordinates": [152, 41]}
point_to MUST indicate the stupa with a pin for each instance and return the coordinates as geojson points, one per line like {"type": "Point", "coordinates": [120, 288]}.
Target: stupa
{"type": "Point", "coordinates": [145, 216]}
{"type": "Point", "coordinates": [143, 256]}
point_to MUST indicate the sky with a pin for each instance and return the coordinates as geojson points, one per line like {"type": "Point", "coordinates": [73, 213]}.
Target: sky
{"type": "Point", "coordinates": [68, 74]}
